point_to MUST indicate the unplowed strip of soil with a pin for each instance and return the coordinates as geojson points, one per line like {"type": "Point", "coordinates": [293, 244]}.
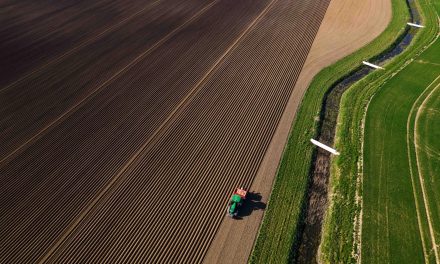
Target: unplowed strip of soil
{"type": "Point", "coordinates": [130, 146]}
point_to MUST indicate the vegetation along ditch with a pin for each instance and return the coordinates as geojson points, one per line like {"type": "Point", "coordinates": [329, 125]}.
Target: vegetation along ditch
{"type": "Point", "coordinates": [315, 203]}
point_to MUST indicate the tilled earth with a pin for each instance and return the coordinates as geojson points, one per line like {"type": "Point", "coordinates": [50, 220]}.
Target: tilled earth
{"type": "Point", "coordinates": [124, 126]}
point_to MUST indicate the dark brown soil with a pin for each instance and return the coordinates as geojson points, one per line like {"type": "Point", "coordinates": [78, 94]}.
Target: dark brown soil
{"type": "Point", "coordinates": [125, 142]}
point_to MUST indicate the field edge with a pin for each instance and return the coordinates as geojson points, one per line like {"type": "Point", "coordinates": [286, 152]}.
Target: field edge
{"type": "Point", "coordinates": [286, 203]}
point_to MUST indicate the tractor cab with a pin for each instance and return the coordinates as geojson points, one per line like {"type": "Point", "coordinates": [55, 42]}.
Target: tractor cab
{"type": "Point", "coordinates": [236, 201]}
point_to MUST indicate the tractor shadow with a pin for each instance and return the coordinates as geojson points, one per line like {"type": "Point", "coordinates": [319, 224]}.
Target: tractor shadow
{"type": "Point", "coordinates": [253, 203]}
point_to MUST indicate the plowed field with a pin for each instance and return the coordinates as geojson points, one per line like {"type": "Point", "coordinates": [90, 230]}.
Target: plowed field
{"type": "Point", "coordinates": [124, 126]}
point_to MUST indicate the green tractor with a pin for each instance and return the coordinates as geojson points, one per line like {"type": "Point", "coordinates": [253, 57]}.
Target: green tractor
{"type": "Point", "coordinates": [236, 201]}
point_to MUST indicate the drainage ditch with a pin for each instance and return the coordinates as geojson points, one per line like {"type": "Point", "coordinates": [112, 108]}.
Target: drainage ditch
{"type": "Point", "coordinates": [306, 247]}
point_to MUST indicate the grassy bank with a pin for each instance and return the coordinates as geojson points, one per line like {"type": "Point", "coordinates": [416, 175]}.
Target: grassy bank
{"type": "Point", "coordinates": [382, 237]}
{"type": "Point", "coordinates": [279, 230]}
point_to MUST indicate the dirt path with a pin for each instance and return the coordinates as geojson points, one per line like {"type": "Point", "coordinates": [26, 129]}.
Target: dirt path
{"type": "Point", "coordinates": [419, 169]}
{"type": "Point", "coordinates": [347, 26]}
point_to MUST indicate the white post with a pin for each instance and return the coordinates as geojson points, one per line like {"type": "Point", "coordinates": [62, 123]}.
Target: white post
{"type": "Point", "coordinates": [415, 25]}
{"type": "Point", "coordinates": [372, 65]}
{"type": "Point", "coordinates": [329, 149]}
